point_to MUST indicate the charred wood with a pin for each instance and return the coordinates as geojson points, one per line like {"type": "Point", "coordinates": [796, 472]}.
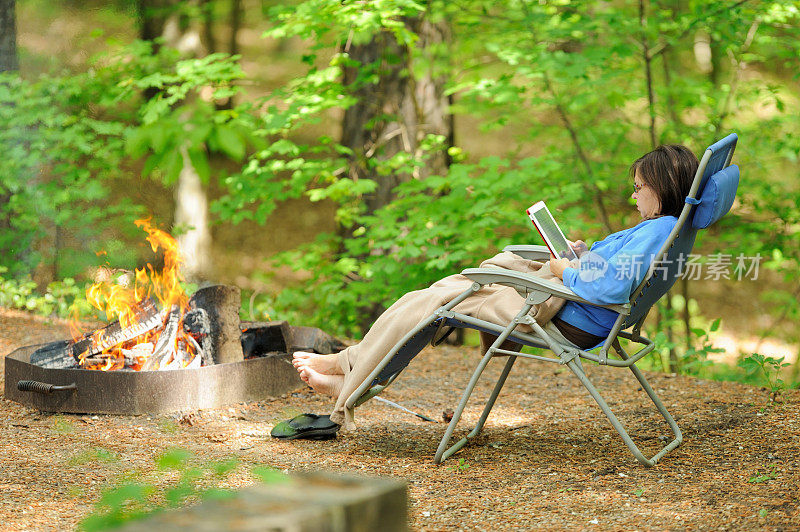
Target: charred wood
{"type": "Point", "coordinates": [55, 355]}
{"type": "Point", "coordinates": [316, 340]}
{"type": "Point", "coordinates": [221, 303]}
{"type": "Point", "coordinates": [259, 338]}
{"type": "Point", "coordinates": [197, 327]}
{"type": "Point", "coordinates": [147, 318]}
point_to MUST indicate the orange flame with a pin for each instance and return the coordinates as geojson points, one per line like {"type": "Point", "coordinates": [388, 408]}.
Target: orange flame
{"type": "Point", "coordinates": [118, 301]}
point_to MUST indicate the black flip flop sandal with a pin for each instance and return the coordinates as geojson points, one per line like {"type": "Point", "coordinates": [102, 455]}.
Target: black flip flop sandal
{"type": "Point", "coordinates": [306, 427]}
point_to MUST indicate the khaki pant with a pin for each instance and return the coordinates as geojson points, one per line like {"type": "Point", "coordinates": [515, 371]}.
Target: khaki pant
{"type": "Point", "coordinates": [493, 303]}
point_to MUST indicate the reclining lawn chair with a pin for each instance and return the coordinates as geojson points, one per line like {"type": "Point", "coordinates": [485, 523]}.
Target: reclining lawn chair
{"type": "Point", "coordinates": [716, 183]}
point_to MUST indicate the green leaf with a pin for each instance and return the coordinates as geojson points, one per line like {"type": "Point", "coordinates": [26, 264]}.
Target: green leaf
{"type": "Point", "coordinates": [175, 496]}
{"type": "Point", "coordinates": [172, 166]}
{"type": "Point", "coordinates": [136, 142]}
{"type": "Point", "coordinates": [225, 467]}
{"type": "Point", "coordinates": [159, 137]}
{"type": "Point", "coordinates": [229, 142]}
{"type": "Point", "coordinates": [199, 161]}
{"type": "Point", "coordinates": [152, 162]}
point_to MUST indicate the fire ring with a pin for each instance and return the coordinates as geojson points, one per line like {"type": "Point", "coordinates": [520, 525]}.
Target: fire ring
{"type": "Point", "coordinates": [265, 372]}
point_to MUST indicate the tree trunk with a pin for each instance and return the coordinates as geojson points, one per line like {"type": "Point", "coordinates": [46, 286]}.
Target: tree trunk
{"type": "Point", "coordinates": [208, 26]}
{"type": "Point", "coordinates": [162, 18]}
{"type": "Point", "coordinates": [8, 62]}
{"type": "Point", "coordinates": [152, 15]}
{"type": "Point", "coordinates": [8, 36]}
{"type": "Point", "coordinates": [236, 13]}
{"type": "Point", "coordinates": [236, 24]}
{"type": "Point", "coordinates": [378, 126]}
{"type": "Point", "coordinates": [191, 211]}
{"type": "Point", "coordinates": [394, 115]}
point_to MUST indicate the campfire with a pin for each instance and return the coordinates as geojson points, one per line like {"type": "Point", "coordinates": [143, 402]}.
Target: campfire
{"type": "Point", "coordinates": [155, 328]}
{"type": "Point", "coordinates": [156, 325]}
{"type": "Point", "coordinates": [120, 369]}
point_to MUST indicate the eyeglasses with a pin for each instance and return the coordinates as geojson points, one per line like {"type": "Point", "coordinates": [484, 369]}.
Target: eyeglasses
{"type": "Point", "coordinates": [637, 188]}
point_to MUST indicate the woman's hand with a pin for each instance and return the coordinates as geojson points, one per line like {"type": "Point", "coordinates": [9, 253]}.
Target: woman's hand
{"type": "Point", "coordinates": [557, 266]}
{"type": "Point", "coordinates": [579, 247]}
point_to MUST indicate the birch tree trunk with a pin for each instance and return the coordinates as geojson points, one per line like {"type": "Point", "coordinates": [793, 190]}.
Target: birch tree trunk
{"type": "Point", "coordinates": [191, 211]}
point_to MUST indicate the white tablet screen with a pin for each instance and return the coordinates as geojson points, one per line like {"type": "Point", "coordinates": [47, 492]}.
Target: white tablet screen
{"type": "Point", "coordinates": [546, 224]}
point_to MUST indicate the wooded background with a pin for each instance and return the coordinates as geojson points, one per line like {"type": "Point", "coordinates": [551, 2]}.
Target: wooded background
{"type": "Point", "coordinates": [330, 156]}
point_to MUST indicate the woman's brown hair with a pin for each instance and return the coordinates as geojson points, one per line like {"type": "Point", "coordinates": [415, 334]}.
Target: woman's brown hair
{"type": "Point", "coordinates": [668, 171]}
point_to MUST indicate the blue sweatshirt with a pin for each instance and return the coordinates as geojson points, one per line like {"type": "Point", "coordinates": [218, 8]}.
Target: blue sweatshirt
{"type": "Point", "coordinates": [611, 271]}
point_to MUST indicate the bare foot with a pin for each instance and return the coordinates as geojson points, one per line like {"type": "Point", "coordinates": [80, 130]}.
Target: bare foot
{"type": "Point", "coordinates": [328, 384]}
{"type": "Point", "coordinates": [325, 364]}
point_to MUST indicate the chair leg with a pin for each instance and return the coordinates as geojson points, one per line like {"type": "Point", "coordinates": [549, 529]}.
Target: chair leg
{"type": "Point", "coordinates": [616, 423]}
{"type": "Point", "coordinates": [443, 451]}
{"type": "Point", "coordinates": [492, 398]}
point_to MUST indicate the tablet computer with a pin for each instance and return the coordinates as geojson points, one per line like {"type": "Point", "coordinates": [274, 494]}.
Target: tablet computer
{"type": "Point", "coordinates": [551, 233]}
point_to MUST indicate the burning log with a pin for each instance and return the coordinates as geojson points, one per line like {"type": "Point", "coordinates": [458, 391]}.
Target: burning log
{"type": "Point", "coordinates": [207, 334]}
{"type": "Point", "coordinates": [67, 354]}
{"type": "Point", "coordinates": [147, 318]}
{"type": "Point", "coordinates": [221, 304]}
{"type": "Point", "coordinates": [136, 354]}
{"type": "Point", "coordinates": [164, 349]}
{"type": "Point", "coordinates": [145, 337]}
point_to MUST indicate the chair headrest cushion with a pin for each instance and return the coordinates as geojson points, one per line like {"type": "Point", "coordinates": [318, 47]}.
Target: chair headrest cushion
{"type": "Point", "coordinates": [716, 197]}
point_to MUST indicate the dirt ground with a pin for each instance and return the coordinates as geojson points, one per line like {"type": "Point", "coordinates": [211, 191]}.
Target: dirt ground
{"type": "Point", "coordinates": [547, 458]}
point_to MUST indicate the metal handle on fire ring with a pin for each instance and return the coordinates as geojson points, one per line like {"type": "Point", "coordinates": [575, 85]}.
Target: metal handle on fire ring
{"type": "Point", "coordinates": [43, 387]}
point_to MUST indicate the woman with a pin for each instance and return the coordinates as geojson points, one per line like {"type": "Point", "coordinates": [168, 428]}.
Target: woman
{"type": "Point", "coordinates": [661, 181]}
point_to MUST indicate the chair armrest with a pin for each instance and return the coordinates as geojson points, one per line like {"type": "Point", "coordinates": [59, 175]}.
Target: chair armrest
{"type": "Point", "coordinates": [530, 252]}
{"type": "Point", "coordinates": [526, 283]}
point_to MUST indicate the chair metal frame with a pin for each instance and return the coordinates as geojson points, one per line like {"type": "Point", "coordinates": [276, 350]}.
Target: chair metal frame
{"type": "Point", "coordinates": [535, 291]}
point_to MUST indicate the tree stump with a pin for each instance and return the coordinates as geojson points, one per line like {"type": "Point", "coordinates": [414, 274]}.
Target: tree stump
{"type": "Point", "coordinates": [222, 304]}
{"type": "Point", "coordinates": [302, 503]}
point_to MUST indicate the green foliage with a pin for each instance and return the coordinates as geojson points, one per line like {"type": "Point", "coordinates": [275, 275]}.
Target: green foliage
{"type": "Point", "coordinates": [767, 370]}
{"type": "Point", "coordinates": [61, 298]}
{"type": "Point", "coordinates": [460, 467]}
{"type": "Point", "coordinates": [178, 480]}
{"type": "Point", "coordinates": [57, 153]}
{"type": "Point", "coordinates": [573, 84]}
{"type": "Point", "coordinates": [182, 113]}
{"type": "Point", "coordinates": [69, 135]}
{"type": "Point", "coordinates": [690, 350]}
{"type": "Point", "coordinates": [769, 475]}
{"type": "Point", "coordinates": [414, 241]}
{"type": "Point", "coordinates": [321, 20]}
